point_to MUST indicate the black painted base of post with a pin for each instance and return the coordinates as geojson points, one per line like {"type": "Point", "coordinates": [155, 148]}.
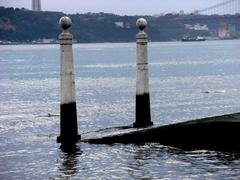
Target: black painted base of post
{"type": "Point", "coordinates": [143, 112]}
{"type": "Point", "coordinates": [68, 124]}
{"type": "Point", "coordinates": [66, 140]}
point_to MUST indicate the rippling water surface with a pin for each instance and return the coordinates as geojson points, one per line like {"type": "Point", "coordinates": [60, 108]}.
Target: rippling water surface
{"type": "Point", "coordinates": [187, 81]}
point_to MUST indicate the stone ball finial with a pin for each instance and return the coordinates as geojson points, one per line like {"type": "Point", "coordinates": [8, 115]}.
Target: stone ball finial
{"type": "Point", "coordinates": [65, 22]}
{"type": "Point", "coordinates": [141, 23]}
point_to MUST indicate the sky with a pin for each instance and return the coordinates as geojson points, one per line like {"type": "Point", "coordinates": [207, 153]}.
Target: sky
{"type": "Point", "coordinates": [121, 7]}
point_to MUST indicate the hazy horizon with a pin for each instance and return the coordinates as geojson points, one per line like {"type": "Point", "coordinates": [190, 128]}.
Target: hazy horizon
{"type": "Point", "coordinates": [123, 7]}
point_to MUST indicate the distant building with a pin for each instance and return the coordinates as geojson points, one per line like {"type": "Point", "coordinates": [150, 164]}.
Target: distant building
{"type": "Point", "coordinates": [122, 24]}
{"type": "Point", "coordinates": [174, 13]}
{"type": "Point", "coordinates": [197, 27]}
{"type": "Point", "coordinates": [223, 31]}
{"type": "Point", "coordinates": [159, 15]}
{"type": "Point", "coordinates": [119, 24]}
{"type": "Point", "coordinates": [181, 13]}
{"type": "Point", "coordinates": [201, 27]}
{"type": "Point", "coordinates": [196, 12]}
{"type": "Point", "coordinates": [36, 5]}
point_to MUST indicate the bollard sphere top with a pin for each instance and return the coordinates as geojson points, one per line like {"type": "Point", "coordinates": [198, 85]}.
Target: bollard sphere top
{"type": "Point", "coordinates": [65, 22]}
{"type": "Point", "coordinates": [141, 23]}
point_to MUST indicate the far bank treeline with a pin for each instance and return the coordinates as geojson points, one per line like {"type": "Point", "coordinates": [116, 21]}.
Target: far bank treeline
{"type": "Point", "coordinates": [21, 25]}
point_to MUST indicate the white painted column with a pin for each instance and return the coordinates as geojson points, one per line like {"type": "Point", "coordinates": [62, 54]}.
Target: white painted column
{"type": "Point", "coordinates": [143, 112]}
{"type": "Point", "coordinates": [68, 111]}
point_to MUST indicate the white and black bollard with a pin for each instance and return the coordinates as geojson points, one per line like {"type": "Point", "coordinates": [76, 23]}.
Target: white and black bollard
{"type": "Point", "coordinates": [68, 111]}
{"type": "Point", "coordinates": [143, 112]}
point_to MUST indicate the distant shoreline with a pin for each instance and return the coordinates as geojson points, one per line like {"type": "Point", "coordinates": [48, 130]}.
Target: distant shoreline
{"type": "Point", "coordinates": [18, 26]}
{"type": "Point", "coordinates": [23, 43]}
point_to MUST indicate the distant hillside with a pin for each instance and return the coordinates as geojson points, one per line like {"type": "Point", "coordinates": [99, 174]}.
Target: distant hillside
{"type": "Point", "coordinates": [20, 25]}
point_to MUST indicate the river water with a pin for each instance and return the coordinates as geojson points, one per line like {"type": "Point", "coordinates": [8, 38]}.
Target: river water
{"type": "Point", "coordinates": [187, 81]}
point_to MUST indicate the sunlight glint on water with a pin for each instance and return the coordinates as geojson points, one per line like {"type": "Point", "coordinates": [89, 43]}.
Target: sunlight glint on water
{"type": "Point", "coordinates": [187, 81]}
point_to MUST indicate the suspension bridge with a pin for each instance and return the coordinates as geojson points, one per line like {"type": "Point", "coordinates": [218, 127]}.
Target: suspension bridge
{"type": "Point", "coordinates": [223, 8]}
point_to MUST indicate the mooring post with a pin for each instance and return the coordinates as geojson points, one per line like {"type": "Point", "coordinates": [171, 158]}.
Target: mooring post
{"type": "Point", "coordinates": [143, 112]}
{"type": "Point", "coordinates": [68, 111]}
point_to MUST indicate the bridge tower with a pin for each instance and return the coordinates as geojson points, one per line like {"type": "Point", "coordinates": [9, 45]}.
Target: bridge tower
{"type": "Point", "coordinates": [36, 5]}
